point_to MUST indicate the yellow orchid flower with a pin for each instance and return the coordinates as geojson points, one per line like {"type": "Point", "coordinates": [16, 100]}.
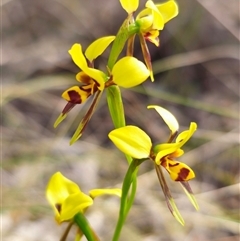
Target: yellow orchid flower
{"type": "Point", "coordinates": [133, 141]}
{"type": "Point", "coordinates": [127, 72]}
{"type": "Point", "coordinates": [92, 80]}
{"type": "Point", "coordinates": [67, 199]}
{"type": "Point", "coordinates": [152, 19]}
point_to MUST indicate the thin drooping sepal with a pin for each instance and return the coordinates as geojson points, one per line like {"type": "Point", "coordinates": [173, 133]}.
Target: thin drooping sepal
{"type": "Point", "coordinates": [87, 117]}
{"type": "Point", "coordinates": [84, 226]}
{"type": "Point", "coordinates": [130, 45]}
{"type": "Point", "coordinates": [169, 199]}
{"type": "Point", "coordinates": [60, 118]}
{"type": "Point", "coordinates": [187, 189]}
{"type": "Point", "coordinates": [66, 232]}
{"type": "Point", "coordinates": [146, 55]}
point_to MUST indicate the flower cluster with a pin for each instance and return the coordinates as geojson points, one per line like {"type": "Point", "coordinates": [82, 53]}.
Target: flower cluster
{"type": "Point", "coordinates": [128, 71]}
{"type": "Point", "coordinates": [66, 198]}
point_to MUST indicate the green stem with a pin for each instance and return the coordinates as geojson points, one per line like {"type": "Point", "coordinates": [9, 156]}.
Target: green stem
{"type": "Point", "coordinates": [85, 227]}
{"type": "Point", "coordinates": [132, 194]}
{"type": "Point", "coordinates": [129, 181]}
{"type": "Point", "coordinates": [116, 110]}
{"type": "Point", "coordinates": [115, 105]}
{"type": "Point", "coordinates": [126, 30]}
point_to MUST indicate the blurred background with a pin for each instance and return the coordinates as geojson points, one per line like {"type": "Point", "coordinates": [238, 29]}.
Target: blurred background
{"type": "Point", "coordinates": [196, 77]}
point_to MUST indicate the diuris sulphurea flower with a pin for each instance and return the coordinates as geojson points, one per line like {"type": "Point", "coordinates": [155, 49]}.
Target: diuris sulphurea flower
{"type": "Point", "coordinates": [153, 18]}
{"type": "Point", "coordinates": [127, 72]}
{"type": "Point", "coordinates": [91, 79]}
{"type": "Point", "coordinates": [133, 141]}
{"type": "Point", "coordinates": [150, 21]}
{"type": "Point", "coordinates": [67, 199]}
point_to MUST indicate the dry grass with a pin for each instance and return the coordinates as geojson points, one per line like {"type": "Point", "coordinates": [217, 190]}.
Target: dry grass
{"type": "Point", "coordinates": [197, 78]}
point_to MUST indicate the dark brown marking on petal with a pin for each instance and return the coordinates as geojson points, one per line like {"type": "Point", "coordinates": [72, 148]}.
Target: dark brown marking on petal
{"type": "Point", "coordinates": [173, 165]}
{"type": "Point", "coordinates": [74, 96]}
{"type": "Point", "coordinates": [58, 207]}
{"type": "Point", "coordinates": [67, 108]}
{"type": "Point", "coordinates": [164, 162]}
{"type": "Point", "coordinates": [182, 175]}
{"type": "Point", "coordinates": [84, 78]}
{"type": "Point", "coordinates": [146, 35]}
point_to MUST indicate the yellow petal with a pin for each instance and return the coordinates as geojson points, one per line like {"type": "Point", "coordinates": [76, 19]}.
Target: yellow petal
{"type": "Point", "coordinates": [98, 47]}
{"type": "Point", "coordinates": [78, 57]}
{"type": "Point", "coordinates": [129, 72]}
{"type": "Point", "coordinates": [59, 188]}
{"type": "Point", "coordinates": [144, 13]}
{"type": "Point", "coordinates": [168, 118]}
{"type": "Point", "coordinates": [145, 20]}
{"type": "Point", "coordinates": [158, 22]}
{"type": "Point", "coordinates": [162, 150]}
{"type": "Point", "coordinates": [177, 153]}
{"type": "Point", "coordinates": [152, 36]}
{"type": "Point", "coordinates": [83, 78]}
{"type": "Point", "coordinates": [179, 171]}
{"type": "Point", "coordinates": [99, 192]}
{"type": "Point", "coordinates": [168, 10]}
{"type": "Point", "coordinates": [129, 6]}
{"type": "Point", "coordinates": [98, 76]}
{"type": "Point", "coordinates": [184, 136]}
{"type": "Point", "coordinates": [165, 149]}
{"type": "Point", "coordinates": [75, 203]}
{"type": "Point", "coordinates": [132, 141]}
